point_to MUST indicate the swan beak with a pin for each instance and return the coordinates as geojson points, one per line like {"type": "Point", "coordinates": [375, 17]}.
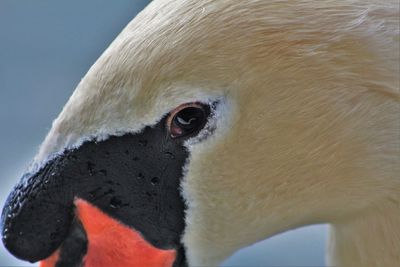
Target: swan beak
{"type": "Point", "coordinates": [114, 202]}
{"type": "Point", "coordinates": [96, 233]}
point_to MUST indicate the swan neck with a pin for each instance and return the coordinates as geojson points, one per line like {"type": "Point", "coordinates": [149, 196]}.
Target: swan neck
{"type": "Point", "coordinates": [369, 239]}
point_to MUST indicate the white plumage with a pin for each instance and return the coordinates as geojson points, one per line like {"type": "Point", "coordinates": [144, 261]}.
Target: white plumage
{"type": "Point", "coordinates": [308, 123]}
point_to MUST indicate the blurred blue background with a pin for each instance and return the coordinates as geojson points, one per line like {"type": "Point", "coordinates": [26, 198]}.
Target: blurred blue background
{"type": "Point", "coordinates": [46, 47]}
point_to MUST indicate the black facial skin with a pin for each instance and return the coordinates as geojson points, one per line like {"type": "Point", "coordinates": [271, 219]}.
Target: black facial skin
{"type": "Point", "coordinates": [133, 178]}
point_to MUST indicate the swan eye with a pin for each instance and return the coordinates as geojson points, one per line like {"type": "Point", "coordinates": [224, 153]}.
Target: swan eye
{"type": "Point", "coordinates": [187, 119]}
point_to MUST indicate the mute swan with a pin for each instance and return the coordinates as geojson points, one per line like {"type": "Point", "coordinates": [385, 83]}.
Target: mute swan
{"type": "Point", "coordinates": [207, 126]}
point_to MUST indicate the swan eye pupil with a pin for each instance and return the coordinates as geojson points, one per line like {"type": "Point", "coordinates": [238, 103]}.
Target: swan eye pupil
{"type": "Point", "coordinates": [188, 120]}
{"type": "Point", "coordinates": [185, 122]}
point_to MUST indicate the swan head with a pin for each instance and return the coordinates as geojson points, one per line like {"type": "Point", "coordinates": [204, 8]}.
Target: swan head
{"type": "Point", "coordinates": [207, 126]}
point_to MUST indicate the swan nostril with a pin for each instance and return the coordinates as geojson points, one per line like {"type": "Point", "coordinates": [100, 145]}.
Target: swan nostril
{"type": "Point", "coordinates": [155, 180]}
{"type": "Point", "coordinates": [115, 203]}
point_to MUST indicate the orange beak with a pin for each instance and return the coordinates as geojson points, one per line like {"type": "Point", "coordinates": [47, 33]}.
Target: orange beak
{"type": "Point", "coordinates": [110, 243]}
